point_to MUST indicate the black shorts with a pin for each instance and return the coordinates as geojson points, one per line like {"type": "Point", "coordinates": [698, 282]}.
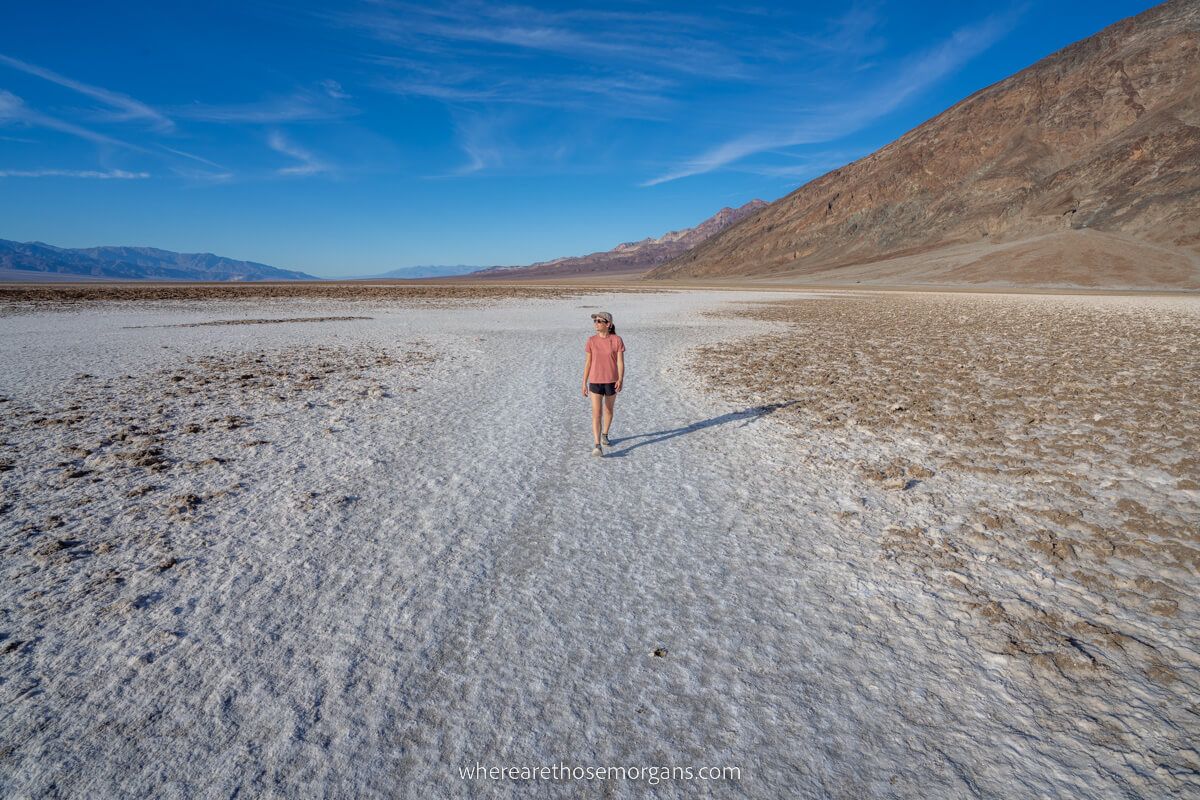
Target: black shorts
{"type": "Point", "coordinates": [602, 388]}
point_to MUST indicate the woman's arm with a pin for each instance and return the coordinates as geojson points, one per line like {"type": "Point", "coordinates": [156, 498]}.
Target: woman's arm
{"type": "Point", "coordinates": [620, 370]}
{"type": "Point", "coordinates": [587, 367]}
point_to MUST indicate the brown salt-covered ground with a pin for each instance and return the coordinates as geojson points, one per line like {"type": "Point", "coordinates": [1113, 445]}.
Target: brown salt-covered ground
{"type": "Point", "coordinates": [32, 298]}
{"type": "Point", "coordinates": [1034, 467]}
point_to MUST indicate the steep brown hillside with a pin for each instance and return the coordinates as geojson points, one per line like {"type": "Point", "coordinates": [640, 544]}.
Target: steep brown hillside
{"type": "Point", "coordinates": [1102, 135]}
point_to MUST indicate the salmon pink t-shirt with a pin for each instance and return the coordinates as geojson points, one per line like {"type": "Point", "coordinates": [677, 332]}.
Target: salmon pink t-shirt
{"type": "Point", "coordinates": [604, 351]}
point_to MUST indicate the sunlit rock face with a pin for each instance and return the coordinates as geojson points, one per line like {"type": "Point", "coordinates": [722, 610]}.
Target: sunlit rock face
{"type": "Point", "coordinates": [1103, 135]}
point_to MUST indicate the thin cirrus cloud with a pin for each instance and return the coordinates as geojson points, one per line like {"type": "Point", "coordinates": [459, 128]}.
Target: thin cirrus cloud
{"type": "Point", "coordinates": [222, 174]}
{"type": "Point", "coordinates": [112, 174]}
{"type": "Point", "coordinates": [634, 96]}
{"type": "Point", "coordinates": [479, 56]}
{"type": "Point", "coordinates": [334, 89]}
{"type": "Point", "coordinates": [326, 103]}
{"type": "Point", "coordinates": [14, 109]}
{"type": "Point", "coordinates": [480, 156]}
{"type": "Point", "coordinates": [648, 66]}
{"type": "Point", "coordinates": [837, 120]}
{"type": "Point", "coordinates": [298, 107]}
{"type": "Point", "coordinates": [851, 34]}
{"type": "Point", "coordinates": [662, 41]}
{"type": "Point", "coordinates": [497, 140]}
{"type": "Point", "coordinates": [203, 177]}
{"type": "Point", "coordinates": [127, 108]}
{"type": "Point", "coordinates": [193, 157]}
{"type": "Point", "coordinates": [309, 163]}
{"type": "Point", "coordinates": [480, 136]}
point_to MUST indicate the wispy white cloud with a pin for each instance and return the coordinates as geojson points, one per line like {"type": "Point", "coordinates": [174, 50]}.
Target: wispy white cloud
{"type": "Point", "coordinates": [479, 136]}
{"type": "Point", "coordinates": [205, 177]}
{"type": "Point", "coordinates": [743, 146]}
{"type": "Point", "coordinates": [852, 34]}
{"type": "Point", "coordinates": [14, 110]}
{"type": "Point", "coordinates": [192, 156]}
{"type": "Point", "coordinates": [334, 89]}
{"type": "Point", "coordinates": [637, 96]}
{"type": "Point", "coordinates": [301, 106]}
{"type": "Point", "coordinates": [835, 120]}
{"type": "Point", "coordinates": [309, 163]}
{"type": "Point", "coordinates": [218, 174]}
{"type": "Point", "coordinates": [667, 42]}
{"type": "Point", "coordinates": [112, 174]}
{"type": "Point", "coordinates": [478, 159]}
{"type": "Point", "coordinates": [128, 107]}
{"type": "Point", "coordinates": [500, 140]}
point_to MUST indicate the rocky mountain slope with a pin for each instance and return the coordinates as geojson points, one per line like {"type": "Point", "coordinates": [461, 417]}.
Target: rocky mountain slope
{"type": "Point", "coordinates": [1103, 135]}
{"type": "Point", "coordinates": [35, 260]}
{"type": "Point", "coordinates": [630, 256]}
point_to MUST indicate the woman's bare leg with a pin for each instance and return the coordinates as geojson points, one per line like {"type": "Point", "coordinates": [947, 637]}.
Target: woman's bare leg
{"type": "Point", "coordinates": [609, 401]}
{"type": "Point", "coordinates": [597, 406]}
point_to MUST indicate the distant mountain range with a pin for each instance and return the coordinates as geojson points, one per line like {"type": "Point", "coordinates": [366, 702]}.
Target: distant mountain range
{"type": "Point", "coordinates": [40, 261]}
{"type": "Point", "coordinates": [430, 271]}
{"type": "Point", "coordinates": [630, 257]}
{"type": "Point", "coordinates": [1087, 160]}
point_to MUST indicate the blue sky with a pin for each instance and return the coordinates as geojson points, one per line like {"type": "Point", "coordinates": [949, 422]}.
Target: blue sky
{"type": "Point", "coordinates": [353, 138]}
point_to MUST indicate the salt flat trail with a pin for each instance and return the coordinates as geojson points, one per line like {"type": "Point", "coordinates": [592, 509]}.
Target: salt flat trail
{"type": "Point", "coordinates": [465, 585]}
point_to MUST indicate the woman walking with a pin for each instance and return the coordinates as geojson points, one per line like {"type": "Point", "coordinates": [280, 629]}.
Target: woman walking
{"type": "Point", "coordinates": [603, 374]}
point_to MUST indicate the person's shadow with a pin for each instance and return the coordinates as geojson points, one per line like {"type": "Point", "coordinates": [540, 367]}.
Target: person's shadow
{"type": "Point", "coordinates": [747, 416]}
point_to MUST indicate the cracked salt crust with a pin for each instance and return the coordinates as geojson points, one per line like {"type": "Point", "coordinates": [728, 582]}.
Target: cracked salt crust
{"type": "Point", "coordinates": [386, 553]}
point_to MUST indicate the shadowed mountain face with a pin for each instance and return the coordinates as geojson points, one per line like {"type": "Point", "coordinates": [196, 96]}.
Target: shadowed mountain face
{"type": "Point", "coordinates": [631, 256]}
{"type": "Point", "coordinates": [37, 260]}
{"type": "Point", "coordinates": [1104, 135]}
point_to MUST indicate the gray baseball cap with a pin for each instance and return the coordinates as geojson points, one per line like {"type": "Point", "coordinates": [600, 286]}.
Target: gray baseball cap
{"type": "Point", "coordinates": [604, 315]}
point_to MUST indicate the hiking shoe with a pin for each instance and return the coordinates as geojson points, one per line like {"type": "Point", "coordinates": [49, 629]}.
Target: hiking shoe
{"type": "Point", "coordinates": [604, 440]}
{"type": "Point", "coordinates": [596, 451]}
